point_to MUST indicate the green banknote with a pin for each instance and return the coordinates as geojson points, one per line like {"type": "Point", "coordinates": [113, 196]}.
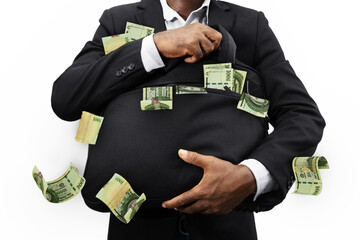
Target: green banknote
{"type": "Point", "coordinates": [211, 79]}
{"type": "Point", "coordinates": [136, 31]}
{"type": "Point", "coordinates": [238, 81]}
{"type": "Point", "coordinates": [306, 170]}
{"type": "Point", "coordinates": [253, 105]}
{"type": "Point", "coordinates": [132, 32]}
{"type": "Point", "coordinates": [62, 188]}
{"type": "Point", "coordinates": [89, 127]}
{"type": "Point", "coordinates": [183, 89]}
{"type": "Point", "coordinates": [121, 199]}
{"type": "Point", "coordinates": [157, 98]}
{"type": "Point", "coordinates": [218, 78]}
{"type": "Point", "coordinates": [112, 43]}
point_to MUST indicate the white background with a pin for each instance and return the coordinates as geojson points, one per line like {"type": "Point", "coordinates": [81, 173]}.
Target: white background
{"type": "Point", "coordinates": [40, 39]}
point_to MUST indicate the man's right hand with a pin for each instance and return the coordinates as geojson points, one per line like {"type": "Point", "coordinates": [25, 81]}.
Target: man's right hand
{"type": "Point", "coordinates": [195, 41]}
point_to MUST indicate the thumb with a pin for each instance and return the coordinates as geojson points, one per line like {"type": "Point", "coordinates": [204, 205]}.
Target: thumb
{"type": "Point", "coordinates": [194, 158]}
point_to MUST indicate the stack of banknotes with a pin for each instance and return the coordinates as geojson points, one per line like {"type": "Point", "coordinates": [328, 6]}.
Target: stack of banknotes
{"type": "Point", "coordinates": [306, 170]}
{"type": "Point", "coordinates": [132, 32]}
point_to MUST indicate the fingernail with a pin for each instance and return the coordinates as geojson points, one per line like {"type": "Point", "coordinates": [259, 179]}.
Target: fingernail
{"type": "Point", "coordinates": [163, 205]}
{"type": "Point", "coordinates": [182, 152]}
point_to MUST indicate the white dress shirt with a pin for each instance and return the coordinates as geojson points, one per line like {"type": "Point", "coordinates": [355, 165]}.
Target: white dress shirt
{"type": "Point", "coordinates": [151, 60]}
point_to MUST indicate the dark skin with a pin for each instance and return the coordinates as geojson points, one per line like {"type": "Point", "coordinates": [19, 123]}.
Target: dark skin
{"type": "Point", "coordinates": [224, 185]}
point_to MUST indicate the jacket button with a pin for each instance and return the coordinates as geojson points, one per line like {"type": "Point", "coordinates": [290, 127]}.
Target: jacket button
{"type": "Point", "coordinates": [131, 66]}
{"type": "Point", "coordinates": [118, 73]}
{"type": "Point", "coordinates": [124, 70]}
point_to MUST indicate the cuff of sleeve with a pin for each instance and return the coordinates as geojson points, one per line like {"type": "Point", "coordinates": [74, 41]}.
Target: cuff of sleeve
{"type": "Point", "coordinates": [150, 55]}
{"type": "Point", "coordinates": [264, 181]}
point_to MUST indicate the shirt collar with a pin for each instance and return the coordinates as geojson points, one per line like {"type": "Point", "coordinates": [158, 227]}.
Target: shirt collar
{"type": "Point", "coordinates": [171, 15]}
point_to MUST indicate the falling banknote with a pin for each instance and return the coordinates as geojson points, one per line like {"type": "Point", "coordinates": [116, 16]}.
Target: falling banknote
{"type": "Point", "coordinates": [157, 98]}
{"type": "Point", "coordinates": [183, 89]}
{"type": "Point", "coordinates": [61, 189]}
{"type": "Point", "coordinates": [89, 127]}
{"type": "Point", "coordinates": [306, 170]}
{"type": "Point", "coordinates": [121, 199]}
{"type": "Point", "coordinates": [253, 105]}
{"type": "Point", "coordinates": [132, 32]}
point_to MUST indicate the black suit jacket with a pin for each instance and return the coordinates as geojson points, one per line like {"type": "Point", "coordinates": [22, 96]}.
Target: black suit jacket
{"type": "Point", "coordinates": [94, 79]}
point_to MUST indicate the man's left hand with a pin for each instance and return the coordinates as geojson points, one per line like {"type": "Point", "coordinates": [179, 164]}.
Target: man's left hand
{"type": "Point", "coordinates": [222, 187]}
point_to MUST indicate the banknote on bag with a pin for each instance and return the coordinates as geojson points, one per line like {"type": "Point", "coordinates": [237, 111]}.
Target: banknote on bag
{"type": "Point", "coordinates": [157, 98]}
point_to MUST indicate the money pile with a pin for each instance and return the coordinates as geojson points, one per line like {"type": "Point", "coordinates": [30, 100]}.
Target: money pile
{"type": "Point", "coordinates": [62, 188]}
{"type": "Point", "coordinates": [306, 170]}
{"type": "Point", "coordinates": [121, 199]}
{"type": "Point", "coordinates": [223, 75]}
{"type": "Point", "coordinates": [253, 105]}
{"type": "Point", "coordinates": [89, 127]}
{"type": "Point", "coordinates": [132, 32]}
{"type": "Point", "coordinates": [157, 98]}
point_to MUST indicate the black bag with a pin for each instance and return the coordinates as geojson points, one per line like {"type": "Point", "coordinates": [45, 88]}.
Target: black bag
{"type": "Point", "coordinates": [142, 146]}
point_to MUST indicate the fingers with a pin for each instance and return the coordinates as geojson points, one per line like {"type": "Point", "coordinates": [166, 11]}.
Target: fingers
{"type": "Point", "coordinates": [195, 158]}
{"type": "Point", "coordinates": [214, 36]}
{"type": "Point", "coordinates": [182, 200]}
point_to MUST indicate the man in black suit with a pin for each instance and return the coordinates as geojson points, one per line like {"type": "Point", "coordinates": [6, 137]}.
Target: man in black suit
{"type": "Point", "coordinates": [93, 80]}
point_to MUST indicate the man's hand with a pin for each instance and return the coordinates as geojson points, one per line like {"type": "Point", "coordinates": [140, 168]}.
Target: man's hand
{"type": "Point", "coordinates": [195, 40]}
{"type": "Point", "coordinates": [223, 186]}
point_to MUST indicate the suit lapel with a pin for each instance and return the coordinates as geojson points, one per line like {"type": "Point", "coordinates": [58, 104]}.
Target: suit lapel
{"type": "Point", "coordinates": [149, 13]}
{"type": "Point", "coordinates": [219, 14]}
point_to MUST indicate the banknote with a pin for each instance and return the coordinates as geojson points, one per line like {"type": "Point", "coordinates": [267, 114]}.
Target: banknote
{"type": "Point", "coordinates": [183, 89]}
{"type": "Point", "coordinates": [137, 31]}
{"type": "Point", "coordinates": [89, 127]}
{"type": "Point", "coordinates": [121, 199]}
{"type": "Point", "coordinates": [132, 32]}
{"type": "Point", "coordinates": [253, 105]}
{"type": "Point", "coordinates": [306, 171]}
{"type": "Point", "coordinates": [238, 81]}
{"type": "Point", "coordinates": [217, 66]}
{"type": "Point", "coordinates": [62, 188]}
{"type": "Point", "coordinates": [157, 98]}
{"type": "Point", "coordinates": [218, 78]}
{"type": "Point", "coordinates": [112, 43]}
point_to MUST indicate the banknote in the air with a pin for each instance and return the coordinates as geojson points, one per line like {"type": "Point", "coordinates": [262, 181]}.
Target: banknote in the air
{"type": "Point", "coordinates": [306, 170]}
{"type": "Point", "coordinates": [62, 188]}
{"type": "Point", "coordinates": [121, 199]}
{"type": "Point", "coordinates": [89, 127]}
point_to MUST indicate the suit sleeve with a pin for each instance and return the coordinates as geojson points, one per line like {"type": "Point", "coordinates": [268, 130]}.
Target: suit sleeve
{"type": "Point", "coordinates": [298, 124]}
{"type": "Point", "coordinates": [95, 78]}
